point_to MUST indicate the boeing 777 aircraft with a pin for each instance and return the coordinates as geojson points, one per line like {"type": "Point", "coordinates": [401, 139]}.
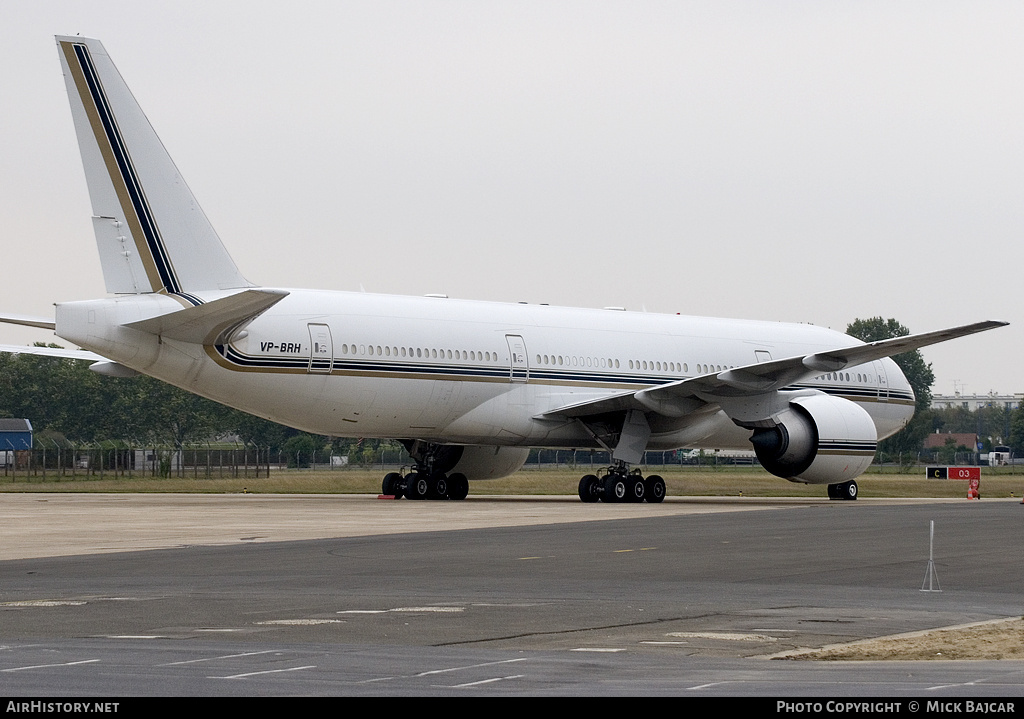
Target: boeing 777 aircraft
{"type": "Point", "coordinates": [468, 387]}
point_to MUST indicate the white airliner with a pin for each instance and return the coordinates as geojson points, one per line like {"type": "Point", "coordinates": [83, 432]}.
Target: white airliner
{"type": "Point", "coordinates": [468, 387]}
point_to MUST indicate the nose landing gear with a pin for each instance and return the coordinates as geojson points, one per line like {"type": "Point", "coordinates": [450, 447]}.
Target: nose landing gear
{"type": "Point", "coordinates": [844, 490]}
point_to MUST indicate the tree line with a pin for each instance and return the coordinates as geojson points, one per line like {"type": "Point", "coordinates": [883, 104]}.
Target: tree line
{"type": "Point", "coordinates": [68, 403]}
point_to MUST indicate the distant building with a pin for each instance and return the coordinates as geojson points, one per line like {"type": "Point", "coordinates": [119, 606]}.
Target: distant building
{"type": "Point", "coordinates": [15, 434]}
{"type": "Point", "coordinates": [937, 440]}
{"type": "Point", "coordinates": [973, 402]}
{"type": "Point", "coordinates": [148, 460]}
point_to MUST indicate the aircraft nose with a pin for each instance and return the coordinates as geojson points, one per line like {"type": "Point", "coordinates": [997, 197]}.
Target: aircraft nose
{"type": "Point", "coordinates": [904, 397]}
{"type": "Point", "coordinates": [897, 398]}
{"type": "Point", "coordinates": [902, 387]}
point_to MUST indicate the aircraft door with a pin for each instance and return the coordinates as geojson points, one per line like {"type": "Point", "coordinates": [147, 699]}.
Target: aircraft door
{"type": "Point", "coordinates": [883, 383]}
{"type": "Point", "coordinates": [321, 349]}
{"type": "Point", "coordinates": [519, 363]}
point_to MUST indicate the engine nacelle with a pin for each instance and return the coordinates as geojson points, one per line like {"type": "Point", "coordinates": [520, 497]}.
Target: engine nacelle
{"type": "Point", "coordinates": [485, 462]}
{"type": "Point", "coordinates": [818, 440]}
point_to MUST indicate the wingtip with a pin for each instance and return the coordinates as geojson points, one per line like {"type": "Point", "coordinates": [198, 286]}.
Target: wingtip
{"type": "Point", "coordinates": [989, 325]}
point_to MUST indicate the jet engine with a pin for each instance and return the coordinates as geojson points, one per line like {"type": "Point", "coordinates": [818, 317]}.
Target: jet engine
{"type": "Point", "coordinates": [472, 461]}
{"type": "Point", "coordinates": [490, 462]}
{"type": "Point", "coordinates": [818, 439]}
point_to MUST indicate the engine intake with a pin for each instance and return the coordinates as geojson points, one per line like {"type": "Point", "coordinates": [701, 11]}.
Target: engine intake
{"type": "Point", "coordinates": [818, 440]}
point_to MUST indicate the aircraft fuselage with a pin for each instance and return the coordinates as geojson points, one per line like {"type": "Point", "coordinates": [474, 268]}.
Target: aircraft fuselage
{"type": "Point", "coordinates": [465, 372]}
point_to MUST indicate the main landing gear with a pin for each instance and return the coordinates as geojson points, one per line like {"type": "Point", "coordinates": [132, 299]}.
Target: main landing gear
{"type": "Point", "coordinates": [621, 485]}
{"type": "Point", "coordinates": [429, 480]}
{"type": "Point", "coordinates": [421, 485]}
{"type": "Point", "coordinates": [844, 490]}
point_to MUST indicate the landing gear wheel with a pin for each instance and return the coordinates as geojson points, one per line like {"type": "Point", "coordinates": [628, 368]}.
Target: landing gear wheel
{"type": "Point", "coordinates": [392, 485]}
{"type": "Point", "coordinates": [590, 488]}
{"type": "Point", "coordinates": [417, 486]}
{"type": "Point", "coordinates": [458, 486]}
{"type": "Point", "coordinates": [844, 490]}
{"type": "Point", "coordinates": [615, 489]}
{"type": "Point", "coordinates": [438, 487]}
{"type": "Point", "coordinates": [636, 490]}
{"type": "Point", "coordinates": [655, 489]}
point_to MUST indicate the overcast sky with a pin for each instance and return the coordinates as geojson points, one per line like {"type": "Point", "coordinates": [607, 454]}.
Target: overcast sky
{"type": "Point", "coordinates": [796, 161]}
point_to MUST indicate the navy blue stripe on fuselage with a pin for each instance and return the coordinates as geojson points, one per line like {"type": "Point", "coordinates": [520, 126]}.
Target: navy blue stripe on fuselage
{"type": "Point", "coordinates": [150, 231]}
{"type": "Point", "coordinates": [475, 372]}
{"type": "Point", "coordinates": [855, 393]}
{"type": "Point", "coordinates": [406, 367]}
{"type": "Point", "coordinates": [848, 446]}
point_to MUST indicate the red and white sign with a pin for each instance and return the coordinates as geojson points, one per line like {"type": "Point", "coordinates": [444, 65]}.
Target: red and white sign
{"type": "Point", "coordinates": [963, 473]}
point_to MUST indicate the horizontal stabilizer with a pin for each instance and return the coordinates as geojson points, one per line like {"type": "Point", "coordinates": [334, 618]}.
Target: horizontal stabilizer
{"type": "Point", "coordinates": [207, 324]}
{"type": "Point", "coordinates": [51, 352]}
{"type": "Point", "coordinates": [42, 322]}
{"type": "Point", "coordinates": [100, 365]}
{"type": "Point", "coordinates": [112, 369]}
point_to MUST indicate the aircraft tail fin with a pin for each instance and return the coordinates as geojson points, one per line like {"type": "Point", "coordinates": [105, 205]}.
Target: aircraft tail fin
{"type": "Point", "coordinates": [151, 233]}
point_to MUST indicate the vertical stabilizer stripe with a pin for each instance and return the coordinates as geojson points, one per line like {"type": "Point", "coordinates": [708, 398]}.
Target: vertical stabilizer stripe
{"type": "Point", "coordinates": [132, 198]}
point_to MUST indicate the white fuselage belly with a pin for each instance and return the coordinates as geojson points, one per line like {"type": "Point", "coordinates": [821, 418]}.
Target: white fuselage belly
{"type": "Point", "coordinates": [465, 372]}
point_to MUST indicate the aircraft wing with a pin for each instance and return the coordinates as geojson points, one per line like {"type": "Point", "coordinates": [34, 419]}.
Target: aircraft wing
{"type": "Point", "coordinates": [588, 408]}
{"type": "Point", "coordinates": [52, 352]}
{"type": "Point", "coordinates": [676, 399]}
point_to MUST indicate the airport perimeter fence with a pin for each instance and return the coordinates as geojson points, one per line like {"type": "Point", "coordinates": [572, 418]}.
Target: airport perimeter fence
{"type": "Point", "coordinates": [114, 460]}
{"type": "Point", "coordinates": [593, 460]}
{"type": "Point", "coordinates": [221, 461]}
{"type": "Point", "coordinates": [582, 459]}
{"type": "Point", "coordinates": [63, 461]}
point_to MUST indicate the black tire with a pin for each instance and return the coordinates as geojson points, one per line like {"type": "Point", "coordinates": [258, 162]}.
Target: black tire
{"type": "Point", "coordinates": [615, 489]}
{"type": "Point", "coordinates": [843, 490]}
{"type": "Point", "coordinates": [417, 486]}
{"type": "Point", "coordinates": [438, 487]}
{"type": "Point", "coordinates": [458, 487]}
{"type": "Point", "coordinates": [392, 485]}
{"type": "Point", "coordinates": [636, 489]}
{"type": "Point", "coordinates": [655, 489]}
{"type": "Point", "coordinates": [590, 488]}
